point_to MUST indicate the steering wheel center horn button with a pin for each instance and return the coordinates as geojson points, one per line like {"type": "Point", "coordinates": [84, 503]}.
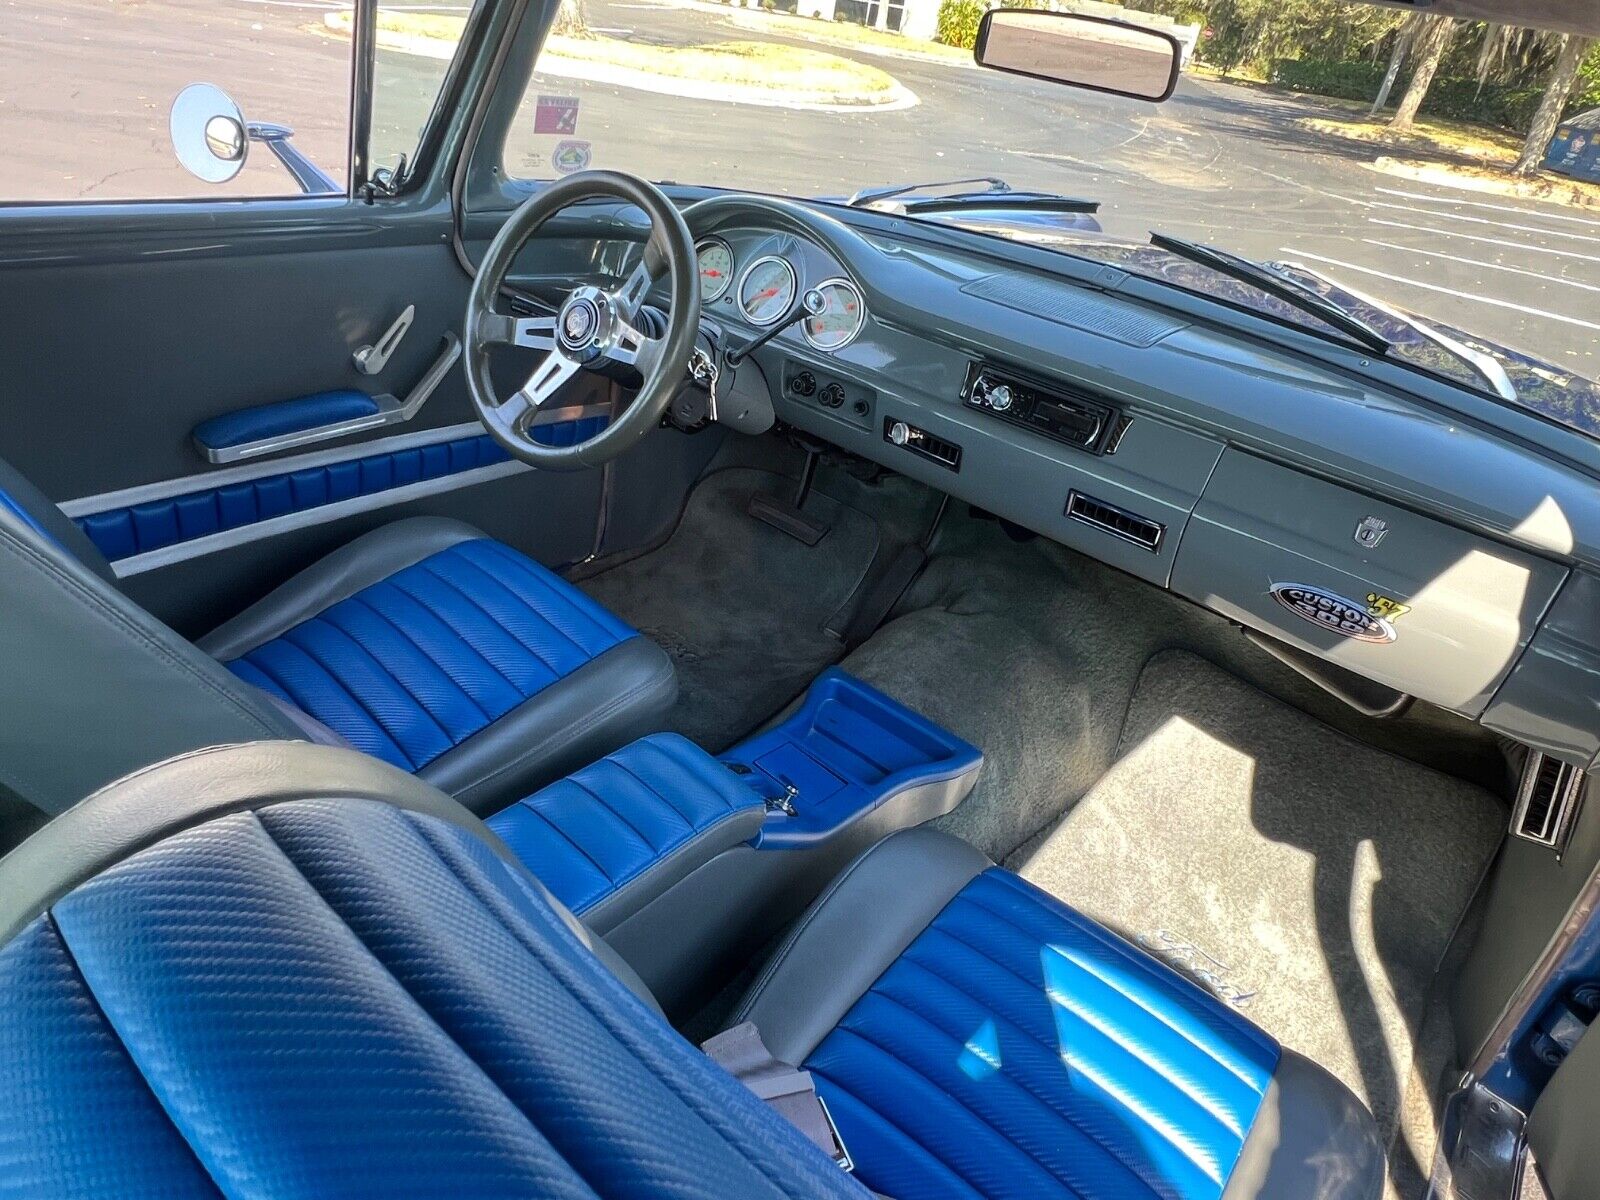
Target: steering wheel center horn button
{"type": "Point", "coordinates": [585, 324]}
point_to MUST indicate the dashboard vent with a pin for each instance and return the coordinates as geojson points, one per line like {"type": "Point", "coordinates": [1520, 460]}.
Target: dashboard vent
{"type": "Point", "coordinates": [1077, 307]}
{"type": "Point", "coordinates": [1547, 801]}
{"type": "Point", "coordinates": [1118, 522]}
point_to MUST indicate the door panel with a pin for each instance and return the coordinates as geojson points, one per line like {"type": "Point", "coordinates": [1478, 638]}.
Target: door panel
{"type": "Point", "coordinates": [114, 364]}
{"type": "Point", "coordinates": [119, 352]}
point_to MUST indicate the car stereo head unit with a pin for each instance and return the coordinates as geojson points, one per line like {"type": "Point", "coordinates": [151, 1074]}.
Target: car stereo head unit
{"type": "Point", "coordinates": [1075, 419]}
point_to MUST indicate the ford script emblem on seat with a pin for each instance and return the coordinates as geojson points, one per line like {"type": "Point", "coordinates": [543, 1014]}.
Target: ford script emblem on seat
{"type": "Point", "coordinates": [1333, 612]}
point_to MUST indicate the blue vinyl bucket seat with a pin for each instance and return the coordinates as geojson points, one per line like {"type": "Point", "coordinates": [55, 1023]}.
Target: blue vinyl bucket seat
{"type": "Point", "coordinates": [285, 970]}
{"type": "Point", "coordinates": [423, 643]}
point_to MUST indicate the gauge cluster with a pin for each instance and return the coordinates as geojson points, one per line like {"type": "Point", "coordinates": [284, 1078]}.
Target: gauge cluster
{"type": "Point", "coordinates": [762, 283]}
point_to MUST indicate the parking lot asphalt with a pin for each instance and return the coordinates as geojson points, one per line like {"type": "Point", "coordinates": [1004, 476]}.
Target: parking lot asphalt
{"type": "Point", "coordinates": [85, 87]}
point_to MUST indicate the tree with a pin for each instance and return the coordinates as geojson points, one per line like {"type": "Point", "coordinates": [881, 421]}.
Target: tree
{"type": "Point", "coordinates": [1403, 38]}
{"type": "Point", "coordinates": [1431, 40]}
{"type": "Point", "coordinates": [570, 20]}
{"type": "Point", "coordinates": [1548, 114]}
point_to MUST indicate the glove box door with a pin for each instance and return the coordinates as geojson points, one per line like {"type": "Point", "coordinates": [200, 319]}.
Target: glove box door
{"type": "Point", "coordinates": [1419, 605]}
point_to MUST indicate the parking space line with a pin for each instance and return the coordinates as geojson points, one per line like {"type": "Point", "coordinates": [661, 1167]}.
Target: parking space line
{"type": "Point", "coordinates": [1433, 212]}
{"type": "Point", "coordinates": [1434, 287]}
{"type": "Point", "coordinates": [1478, 262]}
{"type": "Point", "coordinates": [1473, 237]}
{"type": "Point", "coordinates": [1526, 212]}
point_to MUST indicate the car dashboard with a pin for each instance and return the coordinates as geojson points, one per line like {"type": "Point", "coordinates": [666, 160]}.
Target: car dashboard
{"type": "Point", "coordinates": [1369, 528]}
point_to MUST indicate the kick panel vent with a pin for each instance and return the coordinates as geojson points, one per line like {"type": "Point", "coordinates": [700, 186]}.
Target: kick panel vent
{"type": "Point", "coordinates": [1118, 522]}
{"type": "Point", "coordinates": [1547, 801]}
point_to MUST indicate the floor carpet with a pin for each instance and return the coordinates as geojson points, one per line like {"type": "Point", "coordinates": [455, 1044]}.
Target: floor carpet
{"type": "Point", "coordinates": [1032, 653]}
{"type": "Point", "coordinates": [1309, 879]}
{"type": "Point", "coordinates": [742, 608]}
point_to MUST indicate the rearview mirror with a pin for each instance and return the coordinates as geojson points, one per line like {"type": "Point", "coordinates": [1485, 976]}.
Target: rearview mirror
{"type": "Point", "coordinates": [1097, 53]}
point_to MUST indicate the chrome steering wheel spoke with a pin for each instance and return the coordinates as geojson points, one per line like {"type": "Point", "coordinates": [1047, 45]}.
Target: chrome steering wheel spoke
{"type": "Point", "coordinates": [629, 298]}
{"type": "Point", "coordinates": [546, 380]}
{"type": "Point", "coordinates": [514, 414]}
{"type": "Point", "coordinates": [531, 333]}
{"type": "Point", "coordinates": [637, 349]}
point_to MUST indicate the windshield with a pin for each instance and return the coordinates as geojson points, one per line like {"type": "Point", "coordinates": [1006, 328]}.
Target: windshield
{"type": "Point", "coordinates": [1265, 150]}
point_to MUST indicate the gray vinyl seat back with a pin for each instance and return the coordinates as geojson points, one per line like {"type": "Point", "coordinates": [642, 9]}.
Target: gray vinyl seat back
{"type": "Point", "coordinates": [342, 985]}
{"type": "Point", "coordinates": [91, 685]}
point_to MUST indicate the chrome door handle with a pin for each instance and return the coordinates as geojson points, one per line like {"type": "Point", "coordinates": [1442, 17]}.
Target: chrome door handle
{"type": "Point", "coordinates": [370, 360]}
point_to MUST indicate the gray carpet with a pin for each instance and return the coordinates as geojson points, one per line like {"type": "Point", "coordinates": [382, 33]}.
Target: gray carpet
{"type": "Point", "coordinates": [1309, 879]}
{"type": "Point", "coordinates": [740, 607]}
{"type": "Point", "coordinates": [1031, 652]}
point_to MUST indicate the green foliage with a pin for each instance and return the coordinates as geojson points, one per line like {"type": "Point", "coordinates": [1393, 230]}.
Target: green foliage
{"type": "Point", "coordinates": [1490, 74]}
{"type": "Point", "coordinates": [958, 19]}
{"type": "Point", "coordinates": [958, 22]}
{"type": "Point", "coordinates": [1343, 80]}
{"type": "Point", "coordinates": [1509, 107]}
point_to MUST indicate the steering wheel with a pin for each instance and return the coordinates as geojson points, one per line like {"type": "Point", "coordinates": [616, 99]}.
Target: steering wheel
{"type": "Point", "coordinates": [594, 325]}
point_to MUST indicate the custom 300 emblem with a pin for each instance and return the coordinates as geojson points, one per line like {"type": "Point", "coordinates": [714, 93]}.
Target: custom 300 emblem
{"type": "Point", "coordinates": [1335, 613]}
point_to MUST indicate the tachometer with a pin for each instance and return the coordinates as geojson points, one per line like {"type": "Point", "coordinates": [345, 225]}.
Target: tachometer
{"type": "Point", "coordinates": [836, 325]}
{"type": "Point", "coordinates": [767, 290]}
{"type": "Point", "coordinates": [716, 268]}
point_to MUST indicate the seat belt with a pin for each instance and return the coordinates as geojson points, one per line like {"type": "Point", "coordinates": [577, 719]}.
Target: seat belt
{"type": "Point", "coordinates": [787, 1090]}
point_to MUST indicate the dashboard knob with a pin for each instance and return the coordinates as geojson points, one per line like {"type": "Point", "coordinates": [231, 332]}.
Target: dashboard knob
{"type": "Point", "coordinates": [899, 433]}
{"type": "Point", "coordinates": [999, 397]}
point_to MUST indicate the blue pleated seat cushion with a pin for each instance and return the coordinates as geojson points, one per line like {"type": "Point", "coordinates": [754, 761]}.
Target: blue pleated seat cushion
{"type": "Point", "coordinates": [1016, 1049]}
{"type": "Point", "coordinates": [337, 999]}
{"type": "Point", "coordinates": [589, 835]}
{"type": "Point", "coordinates": [414, 665]}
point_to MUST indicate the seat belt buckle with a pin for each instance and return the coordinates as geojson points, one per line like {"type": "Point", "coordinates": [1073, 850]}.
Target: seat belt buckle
{"type": "Point", "coordinates": [839, 1154]}
{"type": "Point", "coordinates": [787, 1090]}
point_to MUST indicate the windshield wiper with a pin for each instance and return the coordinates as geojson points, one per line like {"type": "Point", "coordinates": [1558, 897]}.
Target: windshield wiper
{"type": "Point", "coordinates": [1486, 365]}
{"type": "Point", "coordinates": [867, 196]}
{"type": "Point", "coordinates": [1290, 291]}
{"type": "Point", "coordinates": [998, 196]}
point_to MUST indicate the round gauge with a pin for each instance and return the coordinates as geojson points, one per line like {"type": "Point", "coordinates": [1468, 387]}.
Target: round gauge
{"type": "Point", "coordinates": [838, 323]}
{"type": "Point", "coordinates": [767, 290]}
{"type": "Point", "coordinates": [716, 268]}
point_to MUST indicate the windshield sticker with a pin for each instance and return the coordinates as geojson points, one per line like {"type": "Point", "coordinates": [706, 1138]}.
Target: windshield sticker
{"type": "Point", "coordinates": [571, 155]}
{"type": "Point", "coordinates": [1337, 614]}
{"type": "Point", "coordinates": [556, 115]}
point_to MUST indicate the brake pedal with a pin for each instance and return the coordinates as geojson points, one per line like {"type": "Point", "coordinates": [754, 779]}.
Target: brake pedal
{"type": "Point", "coordinates": [789, 516]}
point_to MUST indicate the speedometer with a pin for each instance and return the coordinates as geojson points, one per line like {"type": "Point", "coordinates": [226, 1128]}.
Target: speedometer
{"type": "Point", "coordinates": [838, 323]}
{"type": "Point", "coordinates": [716, 268]}
{"type": "Point", "coordinates": [767, 290]}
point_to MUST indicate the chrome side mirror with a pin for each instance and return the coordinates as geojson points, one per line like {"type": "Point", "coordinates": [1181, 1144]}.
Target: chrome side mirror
{"type": "Point", "coordinates": [212, 139]}
{"type": "Point", "coordinates": [208, 133]}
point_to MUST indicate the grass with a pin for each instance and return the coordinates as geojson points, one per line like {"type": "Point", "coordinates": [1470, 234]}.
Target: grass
{"type": "Point", "coordinates": [792, 72]}
{"type": "Point", "coordinates": [1456, 138]}
{"type": "Point", "coordinates": [1241, 74]}
{"type": "Point", "coordinates": [849, 36]}
{"type": "Point", "coordinates": [1475, 157]}
{"type": "Point", "coordinates": [1546, 185]}
{"type": "Point", "coordinates": [761, 66]}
